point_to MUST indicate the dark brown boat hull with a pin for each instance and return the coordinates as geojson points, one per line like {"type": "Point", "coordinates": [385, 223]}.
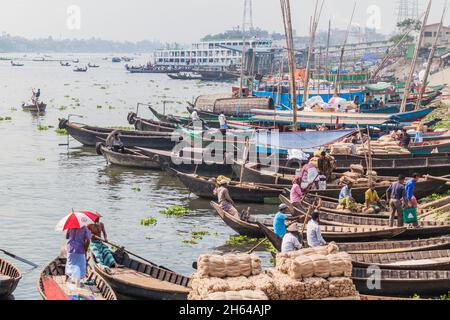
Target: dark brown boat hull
{"type": "Point", "coordinates": [8, 286]}
{"type": "Point", "coordinates": [129, 160]}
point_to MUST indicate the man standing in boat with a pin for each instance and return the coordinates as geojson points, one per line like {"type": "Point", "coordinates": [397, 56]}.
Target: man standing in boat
{"type": "Point", "coordinates": [279, 222]}
{"type": "Point", "coordinates": [223, 123]}
{"type": "Point", "coordinates": [396, 197]}
{"type": "Point", "coordinates": [313, 233]}
{"type": "Point", "coordinates": [326, 165]}
{"type": "Point", "coordinates": [223, 196]}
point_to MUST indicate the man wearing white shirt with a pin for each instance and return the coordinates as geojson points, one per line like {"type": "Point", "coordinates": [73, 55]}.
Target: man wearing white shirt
{"type": "Point", "coordinates": [313, 233]}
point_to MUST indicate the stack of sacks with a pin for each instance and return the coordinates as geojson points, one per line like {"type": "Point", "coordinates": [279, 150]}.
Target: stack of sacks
{"type": "Point", "coordinates": [237, 295]}
{"type": "Point", "coordinates": [379, 147]}
{"type": "Point", "coordinates": [287, 288]}
{"type": "Point", "coordinates": [324, 271]}
{"type": "Point", "coordinates": [358, 178]}
{"type": "Point", "coordinates": [342, 149]}
{"type": "Point", "coordinates": [232, 265]}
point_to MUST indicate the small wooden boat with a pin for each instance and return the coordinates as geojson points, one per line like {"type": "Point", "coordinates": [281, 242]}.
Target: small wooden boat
{"type": "Point", "coordinates": [149, 125]}
{"type": "Point", "coordinates": [93, 65]}
{"type": "Point", "coordinates": [131, 158]}
{"type": "Point", "coordinates": [184, 76]}
{"type": "Point", "coordinates": [80, 69]}
{"type": "Point", "coordinates": [9, 278]}
{"type": "Point", "coordinates": [247, 228]}
{"type": "Point", "coordinates": [433, 146]}
{"type": "Point", "coordinates": [52, 285]}
{"type": "Point", "coordinates": [90, 136]}
{"type": "Point", "coordinates": [144, 280]}
{"type": "Point", "coordinates": [421, 260]}
{"type": "Point", "coordinates": [33, 108]}
{"type": "Point", "coordinates": [172, 162]}
{"type": "Point", "coordinates": [64, 64]}
{"type": "Point", "coordinates": [257, 174]}
{"type": "Point", "coordinates": [204, 188]}
{"type": "Point", "coordinates": [15, 64]}
{"type": "Point", "coordinates": [406, 165]}
{"type": "Point", "coordinates": [401, 282]}
{"type": "Point", "coordinates": [383, 247]}
{"type": "Point", "coordinates": [345, 218]}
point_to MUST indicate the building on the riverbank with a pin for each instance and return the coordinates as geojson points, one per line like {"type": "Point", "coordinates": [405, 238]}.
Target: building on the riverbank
{"type": "Point", "coordinates": [430, 35]}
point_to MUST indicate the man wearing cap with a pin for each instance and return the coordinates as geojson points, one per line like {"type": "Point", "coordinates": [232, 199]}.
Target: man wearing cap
{"type": "Point", "coordinates": [313, 233]}
{"type": "Point", "coordinates": [279, 222]}
{"type": "Point", "coordinates": [223, 196]}
{"type": "Point", "coordinates": [290, 240]}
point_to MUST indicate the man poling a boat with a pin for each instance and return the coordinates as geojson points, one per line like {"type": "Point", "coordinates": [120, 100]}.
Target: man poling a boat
{"type": "Point", "coordinates": [114, 143]}
{"type": "Point", "coordinates": [103, 254]}
{"type": "Point", "coordinates": [223, 196]}
{"type": "Point", "coordinates": [280, 219]}
{"type": "Point", "coordinates": [291, 239]}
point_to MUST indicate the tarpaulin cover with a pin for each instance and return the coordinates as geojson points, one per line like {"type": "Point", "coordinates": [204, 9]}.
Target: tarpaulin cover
{"type": "Point", "coordinates": [301, 140]}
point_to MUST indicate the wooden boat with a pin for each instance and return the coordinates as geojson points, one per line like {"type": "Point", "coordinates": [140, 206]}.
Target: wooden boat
{"type": "Point", "coordinates": [345, 218]}
{"type": "Point", "coordinates": [255, 173]}
{"type": "Point", "coordinates": [341, 234]}
{"type": "Point", "coordinates": [144, 280]}
{"type": "Point", "coordinates": [404, 164]}
{"type": "Point", "coordinates": [186, 163]}
{"type": "Point", "coordinates": [54, 274]}
{"type": "Point", "coordinates": [204, 188]}
{"type": "Point", "coordinates": [80, 69]}
{"type": "Point", "coordinates": [89, 136]}
{"type": "Point", "coordinates": [64, 64]}
{"type": "Point", "coordinates": [9, 278]}
{"type": "Point", "coordinates": [149, 125]}
{"type": "Point", "coordinates": [93, 65]}
{"type": "Point", "coordinates": [247, 228]}
{"type": "Point", "coordinates": [15, 64]}
{"type": "Point", "coordinates": [401, 282]}
{"type": "Point", "coordinates": [181, 76]}
{"type": "Point", "coordinates": [433, 146]}
{"type": "Point", "coordinates": [34, 108]}
{"type": "Point", "coordinates": [131, 158]}
{"type": "Point", "coordinates": [421, 260]}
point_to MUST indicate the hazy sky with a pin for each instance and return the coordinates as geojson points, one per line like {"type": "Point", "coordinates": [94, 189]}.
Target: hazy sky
{"type": "Point", "coordinates": [181, 20]}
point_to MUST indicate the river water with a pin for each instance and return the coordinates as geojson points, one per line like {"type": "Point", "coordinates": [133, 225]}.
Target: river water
{"type": "Point", "coordinates": [42, 181]}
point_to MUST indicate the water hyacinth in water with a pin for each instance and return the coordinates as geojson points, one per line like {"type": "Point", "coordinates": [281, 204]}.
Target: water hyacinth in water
{"type": "Point", "coordinates": [175, 211]}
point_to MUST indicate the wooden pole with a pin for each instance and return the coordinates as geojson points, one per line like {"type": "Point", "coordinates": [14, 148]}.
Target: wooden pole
{"type": "Point", "coordinates": [286, 12]}
{"type": "Point", "coordinates": [312, 40]}
{"type": "Point", "coordinates": [414, 61]}
{"type": "Point", "coordinates": [327, 56]}
{"type": "Point", "coordinates": [341, 59]}
{"type": "Point", "coordinates": [370, 158]}
{"type": "Point", "coordinates": [430, 60]}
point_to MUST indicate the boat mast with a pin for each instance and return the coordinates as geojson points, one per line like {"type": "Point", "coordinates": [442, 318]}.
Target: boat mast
{"type": "Point", "coordinates": [391, 52]}
{"type": "Point", "coordinates": [414, 61]}
{"type": "Point", "coordinates": [312, 39]}
{"type": "Point", "coordinates": [327, 55]}
{"type": "Point", "coordinates": [341, 59]}
{"type": "Point", "coordinates": [430, 60]}
{"type": "Point", "coordinates": [286, 11]}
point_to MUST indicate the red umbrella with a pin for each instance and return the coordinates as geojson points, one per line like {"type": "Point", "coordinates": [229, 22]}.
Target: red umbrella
{"type": "Point", "coordinates": [77, 220]}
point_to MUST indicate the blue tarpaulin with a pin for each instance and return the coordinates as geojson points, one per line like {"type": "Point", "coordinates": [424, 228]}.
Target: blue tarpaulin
{"type": "Point", "coordinates": [301, 140]}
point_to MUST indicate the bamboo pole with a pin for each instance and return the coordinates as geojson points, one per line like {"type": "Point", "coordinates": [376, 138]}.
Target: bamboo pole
{"type": "Point", "coordinates": [430, 60]}
{"type": "Point", "coordinates": [414, 61]}
{"type": "Point", "coordinates": [286, 12]}
{"type": "Point", "coordinates": [327, 56]}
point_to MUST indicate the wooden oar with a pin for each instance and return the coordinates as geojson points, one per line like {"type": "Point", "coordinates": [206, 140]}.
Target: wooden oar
{"type": "Point", "coordinates": [19, 258]}
{"type": "Point", "coordinates": [131, 253]}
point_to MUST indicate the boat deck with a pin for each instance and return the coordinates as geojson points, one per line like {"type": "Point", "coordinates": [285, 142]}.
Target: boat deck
{"type": "Point", "coordinates": [87, 292]}
{"type": "Point", "coordinates": [142, 280]}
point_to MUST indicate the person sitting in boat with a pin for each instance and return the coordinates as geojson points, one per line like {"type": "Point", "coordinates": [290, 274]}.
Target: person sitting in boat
{"type": "Point", "coordinates": [405, 139]}
{"type": "Point", "coordinates": [373, 202]}
{"type": "Point", "coordinates": [291, 240]}
{"type": "Point", "coordinates": [78, 241]}
{"type": "Point", "coordinates": [313, 233]}
{"type": "Point", "coordinates": [223, 196]}
{"type": "Point", "coordinates": [296, 193]}
{"type": "Point", "coordinates": [326, 165]}
{"type": "Point", "coordinates": [309, 176]}
{"type": "Point", "coordinates": [101, 251]}
{"type": "Point", "coordinates": [280, 219]}
{"type": "Point", "coordinates": [114, 143]}
{"type": "Point", "coordinates": [194, 116]}
{"type": "Point", "coordinates": [396, 197]}
{"type": "Point", "coordinates": [345, 196]}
